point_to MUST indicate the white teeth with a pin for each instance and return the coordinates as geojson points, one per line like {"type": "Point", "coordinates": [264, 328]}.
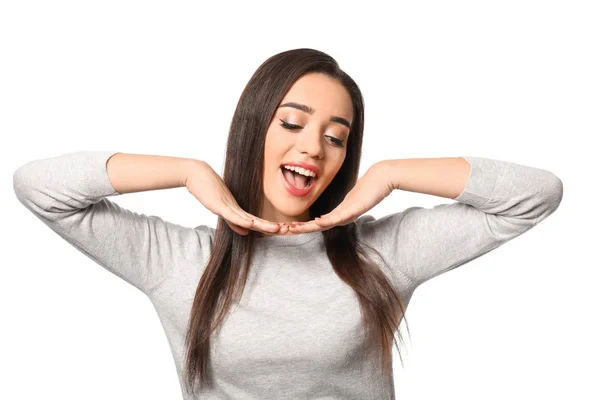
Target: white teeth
{"type": "Point", "coordinates": [301, 171]}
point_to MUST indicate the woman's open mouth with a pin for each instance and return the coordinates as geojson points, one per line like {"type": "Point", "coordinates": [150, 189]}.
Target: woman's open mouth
{"type": "Point", "coordinates": [297, 183]}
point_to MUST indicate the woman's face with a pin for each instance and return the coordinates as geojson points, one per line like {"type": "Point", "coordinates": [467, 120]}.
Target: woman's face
{"type": "Point", "coordinates": [319, 110]}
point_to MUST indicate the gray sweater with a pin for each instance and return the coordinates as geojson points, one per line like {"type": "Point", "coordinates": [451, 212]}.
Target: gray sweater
{"type": "Point", "coordinates": [297, 331]}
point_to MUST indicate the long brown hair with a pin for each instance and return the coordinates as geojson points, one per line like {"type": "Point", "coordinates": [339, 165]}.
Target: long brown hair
{"type": "Point", "coordinates": [221, 284]}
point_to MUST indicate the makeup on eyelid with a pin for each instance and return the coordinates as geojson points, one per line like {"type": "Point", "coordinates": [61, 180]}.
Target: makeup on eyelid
{"type": "Point", "coordinates": [336, 141]}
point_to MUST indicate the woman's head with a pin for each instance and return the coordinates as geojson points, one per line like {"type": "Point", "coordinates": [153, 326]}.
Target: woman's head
{"type": "Point", "coordinates": [311, 126]}
{"type": "Point", "coordinates": [307, 89]}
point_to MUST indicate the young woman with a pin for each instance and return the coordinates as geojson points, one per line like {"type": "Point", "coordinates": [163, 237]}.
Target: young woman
{"type": "Point", "coordinates": [277, 303]}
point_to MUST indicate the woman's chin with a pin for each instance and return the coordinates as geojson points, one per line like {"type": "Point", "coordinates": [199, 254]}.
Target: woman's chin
{"type": "Point", "coordinates": [292, 213]}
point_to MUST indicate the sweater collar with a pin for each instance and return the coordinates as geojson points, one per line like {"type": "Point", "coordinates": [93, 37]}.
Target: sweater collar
{"type": "Point", "coordinates": [288, 240]}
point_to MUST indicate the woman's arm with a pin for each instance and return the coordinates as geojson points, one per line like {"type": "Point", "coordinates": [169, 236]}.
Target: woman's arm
{"type": "Point", "coordinates": [130, 173]}
{"type": "Point", "coordinates": [500, 201]}
{"type": "Point", "coordinates": [443, 177]}
{"type": "Point", "coordinates": [69, 193]}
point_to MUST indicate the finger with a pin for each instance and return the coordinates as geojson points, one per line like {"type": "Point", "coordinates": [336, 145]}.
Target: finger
{"type": "Point", "coordinates": [236, 209]}
{"type": "Point", "coordinates": [258, 224]}
{"type": "Point", "coordinates": [264, 225]}
{"type": "Point", "coordinates": [255, 223]}
{"type": "Point", "coordinates": [339, 217]}
{"type": "Point", "coordinates": [305, 227]}
{"type": "Point", "coordinates": [238, 229]}
{"type": "Point", "coordinates": [334, 219]}
{"type": "Point", "coordinates": [329, 221]}
{"type": "Point", "coordinates": [234, 218]}
{"type": "Point", "coordinates": [256, 219]}
{"type": "Point", "coordinates": [329, 218]}
{"type": "Point", "coordinates": [284, 229]}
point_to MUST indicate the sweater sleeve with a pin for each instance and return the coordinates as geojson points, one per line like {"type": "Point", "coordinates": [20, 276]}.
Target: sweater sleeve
{"type": "Point", "coordinates": [69, 194]}
{"type": "Point", "coordinates": [500, 201]}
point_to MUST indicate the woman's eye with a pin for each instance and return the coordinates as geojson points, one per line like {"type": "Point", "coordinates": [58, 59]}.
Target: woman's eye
{"type": "Point", "coordinates": [334, 140]}
{"type": "Point", "coordinates": [289, 126]}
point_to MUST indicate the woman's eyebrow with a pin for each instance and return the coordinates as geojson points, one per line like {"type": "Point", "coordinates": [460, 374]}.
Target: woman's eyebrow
{"type": "Point", "coordinates": [310, 110]}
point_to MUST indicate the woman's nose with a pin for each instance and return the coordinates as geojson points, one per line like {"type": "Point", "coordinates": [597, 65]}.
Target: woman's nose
{"type": "Point", "coordinates": [310, 143]}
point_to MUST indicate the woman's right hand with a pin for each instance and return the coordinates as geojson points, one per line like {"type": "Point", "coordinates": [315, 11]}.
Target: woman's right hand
{"type": "Point", "coordinates": [210, 190]}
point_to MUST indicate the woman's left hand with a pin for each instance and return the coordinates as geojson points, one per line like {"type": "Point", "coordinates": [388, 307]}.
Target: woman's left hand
{"type": "Point", "coordinates": [370, 190]}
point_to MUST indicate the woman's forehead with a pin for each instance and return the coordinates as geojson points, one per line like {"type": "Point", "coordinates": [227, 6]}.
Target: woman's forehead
{"type": "Point", "coordinates": [319, 94]}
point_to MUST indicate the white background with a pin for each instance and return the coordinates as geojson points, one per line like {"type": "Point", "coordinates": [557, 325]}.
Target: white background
{"type": "Point", "coordinates": [512, 80]}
